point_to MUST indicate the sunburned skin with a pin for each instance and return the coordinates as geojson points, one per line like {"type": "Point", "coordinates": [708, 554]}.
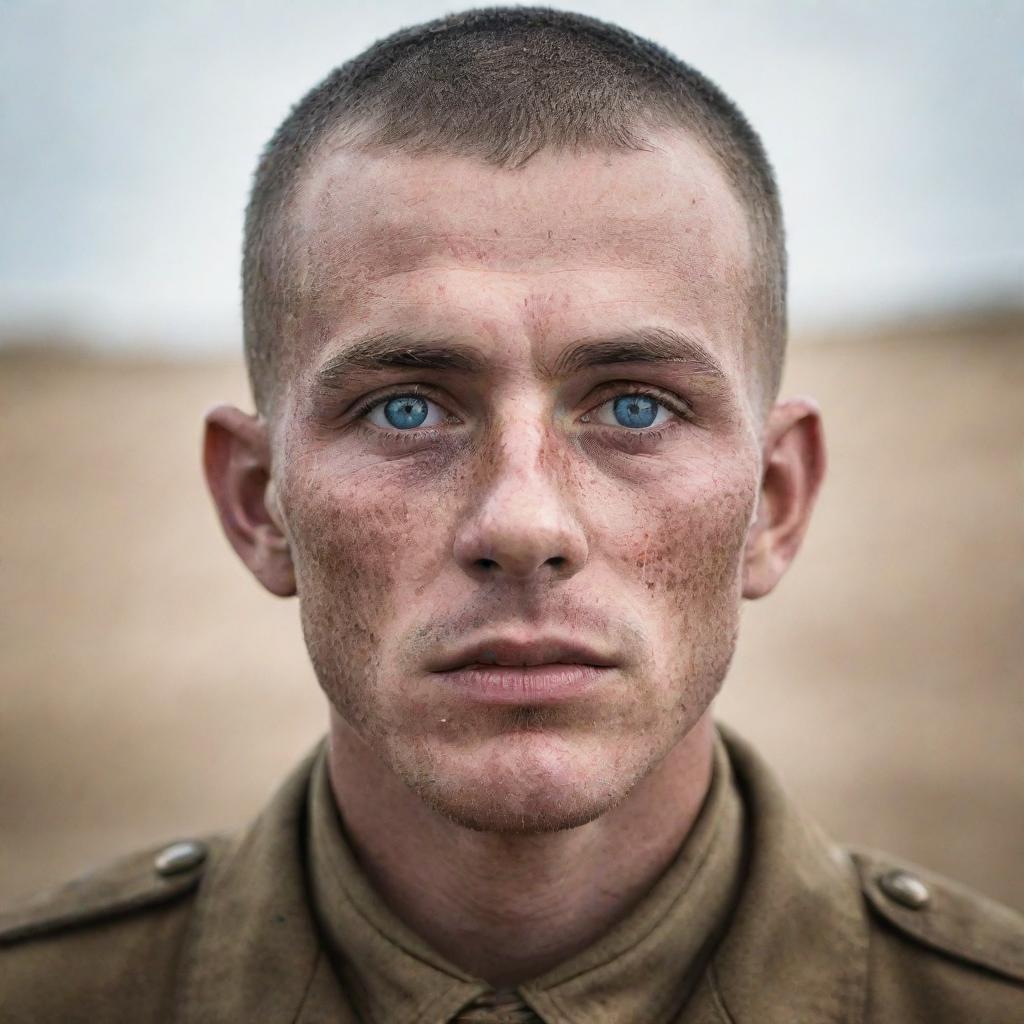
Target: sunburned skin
{"type": "Point", "coordinates": [521, 510]}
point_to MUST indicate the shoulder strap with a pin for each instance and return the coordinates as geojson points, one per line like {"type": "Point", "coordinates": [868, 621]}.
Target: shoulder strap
{"type": "Point", "coordinates": [141, 880]}
{"type": "Point", "coordinates": [943, 915]}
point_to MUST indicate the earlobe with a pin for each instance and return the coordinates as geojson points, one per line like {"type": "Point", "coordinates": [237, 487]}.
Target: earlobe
{"type": "Point", "coordinates": [237, 465]}
{"type": "Point", "coordinates": [793, 469]}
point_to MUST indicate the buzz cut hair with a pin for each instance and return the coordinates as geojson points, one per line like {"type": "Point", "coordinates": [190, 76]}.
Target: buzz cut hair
{"type": "Point", "coordinates": [500, 85]}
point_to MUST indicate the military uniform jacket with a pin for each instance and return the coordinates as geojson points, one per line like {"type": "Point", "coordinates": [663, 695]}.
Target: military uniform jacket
{"type": "Point", "coordinates": [222, 930]}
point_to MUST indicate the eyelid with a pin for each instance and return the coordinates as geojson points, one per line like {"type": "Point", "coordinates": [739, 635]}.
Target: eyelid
{"type": "Point", "coordinates": [616, 389]}
{"type": "Point", "coordinates": [361, 408]}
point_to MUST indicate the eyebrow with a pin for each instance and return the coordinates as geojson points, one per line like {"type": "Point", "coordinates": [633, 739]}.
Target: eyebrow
{"type": "Point", "coordinates": [395, 351]}
{"type": "Point", "coordinates": [641, 345]}
{"type": "Point", "coordinates": [408, 351]}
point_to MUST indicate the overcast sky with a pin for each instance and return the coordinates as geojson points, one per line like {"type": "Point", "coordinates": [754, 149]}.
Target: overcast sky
{"type": "Point", "coordinates": [130, 130]}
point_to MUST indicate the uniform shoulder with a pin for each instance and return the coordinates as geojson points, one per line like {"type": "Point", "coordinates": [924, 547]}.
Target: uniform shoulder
{"type": "Point", "coordinates": [940, 916]}
{"type": "Point", "coordinates": [146, 879]}
{"type": "Point", "coordinates": [103, 947]}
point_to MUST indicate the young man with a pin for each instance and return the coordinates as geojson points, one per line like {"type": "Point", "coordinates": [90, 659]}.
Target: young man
{"type": "Point", "coordinates": [514, 291]}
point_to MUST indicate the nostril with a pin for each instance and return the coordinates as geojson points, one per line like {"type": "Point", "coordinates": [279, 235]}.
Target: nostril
{"type": "Point", "coordinates": [486, 563]}
{"type": "Point", "coordinates": [557, 561]}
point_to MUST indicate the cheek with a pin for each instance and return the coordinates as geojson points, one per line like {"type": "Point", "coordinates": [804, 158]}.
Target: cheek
{"type": "Point", "coordinates": [685, 567]}
{"type": "Point", "coordinates": [367, 535]}
{"type": "Point", "coordinates": [685, 551]}
{"type": "Point", "coordinates": [361, 549]}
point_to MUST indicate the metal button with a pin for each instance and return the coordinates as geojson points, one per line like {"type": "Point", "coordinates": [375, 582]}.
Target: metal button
{"type": "Point", "coordinates": [179, 857]}
{"type": "Point", "coordinates": [905, 888]}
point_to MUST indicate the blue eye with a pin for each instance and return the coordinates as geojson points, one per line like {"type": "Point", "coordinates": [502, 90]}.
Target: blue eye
{"type": "Point", "coordinates": [635, 410]}
{"type": "Point", "coordinates": [405, 412]}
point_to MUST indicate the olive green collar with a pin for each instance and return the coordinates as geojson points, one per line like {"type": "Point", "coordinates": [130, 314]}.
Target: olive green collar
{"type": "Point", "coordinates": [642, 970]}
{"type": "Point", "coordinates": [797, 948]}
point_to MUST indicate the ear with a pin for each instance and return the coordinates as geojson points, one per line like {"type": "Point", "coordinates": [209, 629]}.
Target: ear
{"type": "Point", "coordinates": [793, 458]}
{"type": "Point", "coordinates": [236, 460]}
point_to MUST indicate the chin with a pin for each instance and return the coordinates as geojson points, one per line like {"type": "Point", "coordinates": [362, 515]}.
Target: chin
{"type": "Point", "coordinates": [519, 783]}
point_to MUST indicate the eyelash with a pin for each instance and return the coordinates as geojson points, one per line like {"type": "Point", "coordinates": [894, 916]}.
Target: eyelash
{"type": "Point", "coordinates": [634, 436]}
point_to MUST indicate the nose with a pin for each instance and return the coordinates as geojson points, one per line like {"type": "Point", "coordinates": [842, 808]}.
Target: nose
{"type": "Point", "coordinates": [519, 524]}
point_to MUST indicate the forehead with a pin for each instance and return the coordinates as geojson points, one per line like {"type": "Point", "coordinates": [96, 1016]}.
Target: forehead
{"type": "Point", "coordinates": [389, 240]}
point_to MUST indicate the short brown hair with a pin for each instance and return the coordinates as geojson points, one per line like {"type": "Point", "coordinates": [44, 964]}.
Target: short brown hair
{"type": "Point", "coordinates": [501, 84]}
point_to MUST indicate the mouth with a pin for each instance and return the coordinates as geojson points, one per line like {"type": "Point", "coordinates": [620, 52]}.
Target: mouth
{"type": "Point", "coordinates": [539, 671]}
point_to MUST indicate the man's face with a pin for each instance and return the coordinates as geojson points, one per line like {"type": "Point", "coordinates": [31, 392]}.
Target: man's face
{"type": "Point", "coordinates": [561, 468]}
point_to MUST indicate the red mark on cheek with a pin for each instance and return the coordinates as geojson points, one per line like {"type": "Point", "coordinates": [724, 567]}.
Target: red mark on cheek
{"type": "Point", "coordinates": [347, 543]}
{"type": "Point", "coordinates": [689, 549]}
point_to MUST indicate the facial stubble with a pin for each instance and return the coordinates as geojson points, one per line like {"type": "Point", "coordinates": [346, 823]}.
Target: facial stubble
{"type": "Point", "coordinates": [490, 768]}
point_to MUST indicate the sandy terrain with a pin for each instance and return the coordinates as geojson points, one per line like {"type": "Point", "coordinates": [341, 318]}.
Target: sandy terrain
{"type": "Point", "coordinates": [149, 689]}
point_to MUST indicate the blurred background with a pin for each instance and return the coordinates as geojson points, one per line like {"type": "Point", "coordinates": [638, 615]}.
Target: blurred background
{"type": "Point", "coordinates": [150, 690]}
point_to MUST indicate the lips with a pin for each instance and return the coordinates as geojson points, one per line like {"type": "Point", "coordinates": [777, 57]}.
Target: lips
{"type": "Point", "coordinates": [509, 653]}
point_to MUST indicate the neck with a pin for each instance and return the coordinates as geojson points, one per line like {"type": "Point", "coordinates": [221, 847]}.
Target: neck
{"type": "Point", "coordinates": [507, 908]}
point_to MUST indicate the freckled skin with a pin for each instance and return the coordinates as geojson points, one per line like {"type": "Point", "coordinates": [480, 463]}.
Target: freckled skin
{"type": "Point", "coordinates": [389, 543]}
